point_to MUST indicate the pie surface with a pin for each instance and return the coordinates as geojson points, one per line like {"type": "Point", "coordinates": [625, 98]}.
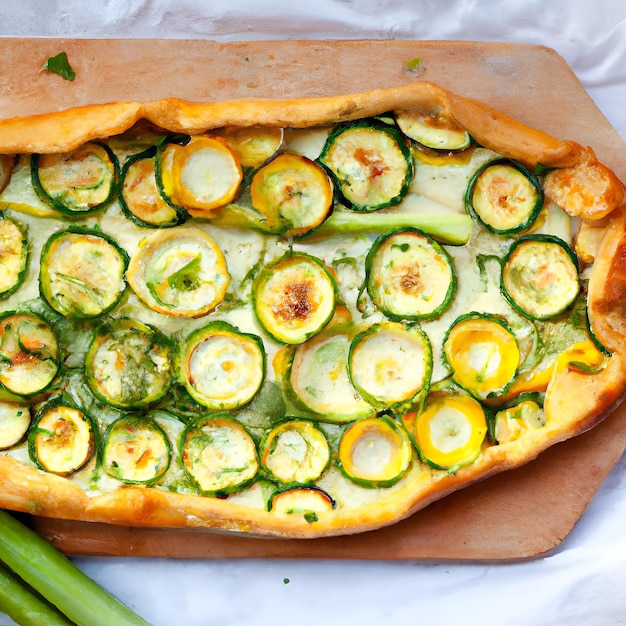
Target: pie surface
{"type": "Point", "coordinates": [299, 318]}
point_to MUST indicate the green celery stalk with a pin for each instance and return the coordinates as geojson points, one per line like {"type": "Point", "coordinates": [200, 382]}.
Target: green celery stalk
{"type": "Point", "coordinates": [58, 580]}
{"type": "Point", "coordinates": [24, 606]}
{"type": "Point", "coordinates": [454, 229]}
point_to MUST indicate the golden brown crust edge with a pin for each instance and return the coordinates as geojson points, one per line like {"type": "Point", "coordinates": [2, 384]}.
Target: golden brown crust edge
{"type": "Point", "coordinates": [30, 490]}
{"type": "Point", "coordinates": [65, 130]}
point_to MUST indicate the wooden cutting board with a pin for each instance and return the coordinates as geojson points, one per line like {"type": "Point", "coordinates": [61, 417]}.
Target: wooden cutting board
{"type": "Point", "coordinates": [516, 515]}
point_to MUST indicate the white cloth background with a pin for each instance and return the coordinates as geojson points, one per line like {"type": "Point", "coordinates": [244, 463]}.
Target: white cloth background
{"type": "Point", "coordinates": [582, 583]}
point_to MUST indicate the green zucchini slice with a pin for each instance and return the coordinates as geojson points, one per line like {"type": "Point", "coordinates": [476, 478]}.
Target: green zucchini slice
{"type": "Point", "coordinates": [293, 193]}
{"type": "Point", "coordinates": [15, 418]}
{"type": "Point", "coordinates": [540, 276]}
{"type": "Point", "coordinates": [294, 297]}
{"type": "Point", "coordinates": [139, 195]}
{"type": "Point", "coordinates": [29, 353]}
{"type": "Point", "coordinates": [294, 451]}
{"type": "Point", "coordinates": [78, 182]}
{"type": "Point", "coordinates": [370, 164]}
{"type": "Point", "coordinates": [513, 422]}
{"type": "Point", "coordinates": [14, 248]}
{"type": "Point", "coordinates": [306, 501]}
{"type": "Point", "coordinates": [317, 378]}
{"type": "Point", "coordinates": [129, 364]}
{"type": "Point", "coordinates": [62, 438]}
{"type": "Point", "coordinates": [136, 450]}
{"type": "Point", "coordinates": [390, 364]}
{"type": "Point", "coordinates": [438, 132]}
{"type": "Point", "coordinates": [505, 196]}
{"type": "Point", "coordinates": [375, 452]}
{"type": "Point", "coordinates": [219, 454]}
{"type": "Point", "coordinates": [221, 367]}
{"type": "Point", "coordinates": [483, 354]}
{"type": "Point", "coordinates": [409, 275]}
{"type": "Point", "coordinates": [450, 432]}
{"type": "Point", "coordinates": [82, 273]}
{"type": "Point", "coordinates": [179, 272]}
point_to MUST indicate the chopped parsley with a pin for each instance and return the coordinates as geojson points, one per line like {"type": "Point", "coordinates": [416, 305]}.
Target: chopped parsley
{"type": "Point", "coordinates": [60, 65]}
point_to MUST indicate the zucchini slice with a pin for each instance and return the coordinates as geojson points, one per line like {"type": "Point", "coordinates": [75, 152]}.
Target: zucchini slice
{"type": "Point", "coordinates": [295, 451]}
{"type": "Point", "coordinates": [540, 276]}
{"type": "Point", "coordinates": [390, 364]}
{"type": "Point", "coordinates": [15, 419]}
{"type": "Point", "coordinates": [78, 182]}
{"type": "Point", "coordinates": [202, 175]}
{"type": "Point", "coordinates": [305, 501]}
{"type": "Point", "coordinates": [409, 275]}
{"type": "Point", "coordinates": [129, 364]}
{"type": "Point", "coordinates": [511, 423]}
{"type": "Point", "coordinates": [62, 438]}
{"type": "Point", "coordinates": [179, 272]}
{"type": "Point", "coordinates": [13, 255]}
{"type": "Point", "coordinates": [450, 432]}
{"type": "Point", "coordinates": [139, 195]}
{"type": "Point", "coordinates": [219, 454]}
{"type": "Point", "coordinates": [317, 378]}
{"type": "Point", "coordinates": [438, 132]}
{"type": "Point", "coordinates": [294, 297]}
{"type": "Point", "coordinates": [375, 452]}
{"type": "Point", "coordinates": [370, 164]}
{"type": "Point", "coordinates": [82, 273]}
{"type": "Point", "coordinates": [136, 450]}
{"type": "Point", "coordinates": [293, 193]}
{"type": "Point", "coordinates": [253, 145]}
{"type": "Point", "coordinates": [505, 196]}
{"type": "Point", "coordinates": [482, 353]}
{"type": "Point", "coordinates": [221, 367]}
{"type": "Point", "coordinates": [29, 353]}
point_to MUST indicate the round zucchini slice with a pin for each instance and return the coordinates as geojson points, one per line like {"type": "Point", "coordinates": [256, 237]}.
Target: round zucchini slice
{"type": "Point", "coordinates": [292, 192]}
{"type": "Point", "coordinates": [136, 450]}
{"type": "Point", "coordinates": [82, 273]}
{"type": "Point", "coordinates": [505, 196]}
{"type": "Point", "coordinates": [219, 454]}
{"type": "Point", "coordinates": [294, 297]}
{"type": "Point", "coordinates": [129, 364]}
{"type": "Point", "coordinates": [15, 419]}
{"type": "Point", "coordinates": [221, 367]}
{"type": "Point", "coordinates": [78, 182]}
{"type": "Point", "coordinates": [390, 364]}
{"type": "Point", "coordinates": [370, 164]}
{"type": "Point", "coordinates": [483, 354]}
{"type": "Point", "coordinates": [202, 175]}
{"type": "Point", "coordinates": [438, 132]}
{"type": "Point", "coordinates": [179, 272]}
{"type": "Point", "coordinates": [511, 423]}
{"type": "Point", "coordinates": [139, 194]}
{"type": "Point", "coordinates": [305, 501]}
{"type": "Point", "coordinates": [540, 276]}
{"type": "Point", "coordinates": [317, 378]}
{"type": "Point", "coordinates": [409, 275]}
{"type": "Point", "coordinates": [13, 255]}
{"type": "Point", "coordinates": [450, 432]}
{"type": "Point", "coordinates": [62, 439]}
{"type": "Point", "coordinates": [253, 145]}
{"type": "Point", "coordinates": [295, 451]}
{"type": "Point", "coordinates": [375, 452]}
{"type": "Point", "coordinates": [29, 353]}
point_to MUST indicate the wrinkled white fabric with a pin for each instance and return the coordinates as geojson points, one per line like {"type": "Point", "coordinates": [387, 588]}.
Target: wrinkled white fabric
{"type": "Point", "coordinates": [582, 583]}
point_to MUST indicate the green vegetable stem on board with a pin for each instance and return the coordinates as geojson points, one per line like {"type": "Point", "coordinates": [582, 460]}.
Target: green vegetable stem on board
{"type": "Point", "coordinates": [52, 575]}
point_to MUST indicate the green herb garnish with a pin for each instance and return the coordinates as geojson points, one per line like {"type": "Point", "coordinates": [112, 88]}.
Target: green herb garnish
{"type": "Point", "coordinates": [60, 65]}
